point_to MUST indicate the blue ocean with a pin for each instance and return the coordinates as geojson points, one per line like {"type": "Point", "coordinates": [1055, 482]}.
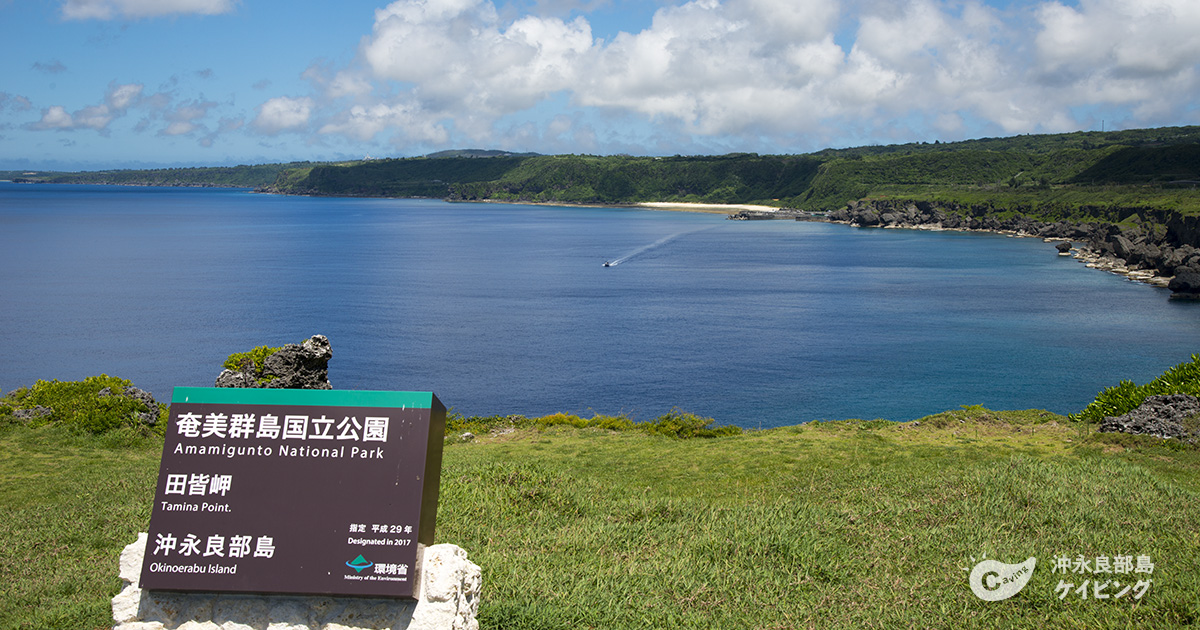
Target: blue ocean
{"type": "Point", "coordinates": [509, 309]}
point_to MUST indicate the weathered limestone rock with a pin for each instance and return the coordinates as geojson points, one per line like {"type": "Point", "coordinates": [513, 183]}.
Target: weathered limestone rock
{"type": "Point", "coordinates": [867, 219]}
{"type": "Point", "coordinates": [230, 378]}
{"type": "Point", "coordinates": [304, 366]}
{"type": "Point", "coordinates": [294, 366]}
{"type": "Point", "coordinates": [1174, 416]}
{"type": "Point", "coordinates": [37, 411]}
{"type": "Point", "coordinates": [149, 417]}
{"type": "Point", "coordinates": [448, 599]}
{"type": "Point", "coordinates": [1185, 285]}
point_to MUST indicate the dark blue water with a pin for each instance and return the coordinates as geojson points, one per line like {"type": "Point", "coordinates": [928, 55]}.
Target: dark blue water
{"type": "Point", "coordinates": [507, 309]}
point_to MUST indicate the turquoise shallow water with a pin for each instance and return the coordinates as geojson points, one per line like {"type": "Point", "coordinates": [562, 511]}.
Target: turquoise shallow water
{"type": "Point", "coordinates": [507, 309]}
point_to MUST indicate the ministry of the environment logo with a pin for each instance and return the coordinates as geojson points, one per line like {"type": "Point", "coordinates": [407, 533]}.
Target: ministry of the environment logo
{"type": "Point", "coordinates": [992, 580]}
{"type": "Point", "coordinates": [360, 563]}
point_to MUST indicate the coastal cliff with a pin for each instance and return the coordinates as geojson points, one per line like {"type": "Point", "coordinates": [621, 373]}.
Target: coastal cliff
{"type": "Point", "coordinates": [1149, 245]}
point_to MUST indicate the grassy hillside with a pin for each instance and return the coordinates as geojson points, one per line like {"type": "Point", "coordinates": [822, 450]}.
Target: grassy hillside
{"type": "Point", "coordinates": [1041, 143]}
{"type": "Point", "coordinates": [608, 523]}
{"type": "Point", "coordinates": [834, 525]}
{"type": "Point", "coordinates": [1158, 176]}
{"type": "Point", "coordinates": [838, 525]}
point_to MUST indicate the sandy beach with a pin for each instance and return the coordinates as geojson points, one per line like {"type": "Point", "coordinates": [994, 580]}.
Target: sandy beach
{"type": "Point", "coordinates": [715, 208]}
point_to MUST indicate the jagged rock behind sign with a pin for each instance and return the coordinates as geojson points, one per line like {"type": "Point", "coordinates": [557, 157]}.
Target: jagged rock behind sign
{"type": "Point", "coordinates": [148, 417]}
{"type": "Point", "coordinates": [294, 366]}
{"type": "Point", "coordinates": [1172, 416]}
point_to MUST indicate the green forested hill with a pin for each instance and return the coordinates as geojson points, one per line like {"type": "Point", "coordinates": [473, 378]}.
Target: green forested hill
{"type": "Point", "coordinates": [622, 179]}
{"type": "Point", "coordinates": [243, 176]}
{"type": "Point", "coordinates": [1152, 167]}
{"type": "Point", "coordinates": [411, 177]}
{"type": "Point", "coordinates": [564, 178]}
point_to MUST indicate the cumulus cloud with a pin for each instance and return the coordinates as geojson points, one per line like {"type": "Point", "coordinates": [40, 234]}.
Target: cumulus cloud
{"type": "Point", "coordinates": [722, 68]}
{"type": "Point", "coordinates": [464, 60]}
{"type": "Point", "coordinates": [364, 123]}
{"type": "Point", "coordinates": [161, 109]}
{"type": "Point", "coordinates": [1111, 51]}
{"type": "Point", "coordinates": [120, 97]}
{"type": "Point", "coordinates": [55, 117]}
{"type": "Point", "coordinates": [117, 100]}
{"type": "Point", "coordinates": [282, 114]}
{"type": "Point", "coordinates": [751, 71]}
{"type": "Point", "coordinates": [112, 9]}
{"type": "Point", "coordinates": [1125, 39]}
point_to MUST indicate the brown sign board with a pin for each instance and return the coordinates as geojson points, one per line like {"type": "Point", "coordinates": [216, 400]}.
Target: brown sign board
{"type": "Point", "coordinates": [315, 492]}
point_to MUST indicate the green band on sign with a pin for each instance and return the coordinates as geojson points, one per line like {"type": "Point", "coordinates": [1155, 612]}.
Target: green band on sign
{"type": "Point", "coordinates": [316, 397]}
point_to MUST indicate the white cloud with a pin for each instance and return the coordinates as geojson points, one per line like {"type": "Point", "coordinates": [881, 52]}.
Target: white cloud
{"type": "Point", "coordinates": [110, 9]}
{"type": "Point", "coordinates": [117, 100]}
{"type": "Point", "coordinates": [1141, 55]}
{"type": "Point", "coordinates": [120, 97]}
{"type": "Point", "coordinates": [723, 68]}
{"type": "Point", "coordinates": [283, 113]}
{"type": "Point", "coordinates": [96, 117]}
{"type": "Point", "coordinates": [781, 20]}
{"type": "Point", "coordinates": [55, 117]}
{"type": "Point", "coordinates": [465, 62]}
{"type": "Point", "coordinates": [746, 72]}
{"type": "Point", "coordinates": [1144, 39]}
{"type": "Point", "coordinates": [364, 123]}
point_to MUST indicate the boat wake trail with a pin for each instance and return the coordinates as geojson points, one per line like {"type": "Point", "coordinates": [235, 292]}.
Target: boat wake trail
{"type": "Point", "coordinates": [656, 244]}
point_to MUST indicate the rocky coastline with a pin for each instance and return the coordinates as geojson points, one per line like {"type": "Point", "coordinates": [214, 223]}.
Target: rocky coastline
{"type": "Point", "coordinates": [1161, 248]}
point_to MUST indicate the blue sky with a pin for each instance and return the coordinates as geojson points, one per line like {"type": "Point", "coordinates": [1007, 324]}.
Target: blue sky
{"type": "Point", "coordinates": [91, 84]}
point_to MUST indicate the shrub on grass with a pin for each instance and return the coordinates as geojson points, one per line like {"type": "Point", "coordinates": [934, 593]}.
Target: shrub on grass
{"type": "Point", "coordinates": [1120, 399]}
{"type": "Point", "coordinates": [609, 423]}
{"type": "Point", "coordinates": [78, 406]}
{"type": "Point", "coordinates": [681, 424]}
{"type": "Point", "coordinates": [457, 424]}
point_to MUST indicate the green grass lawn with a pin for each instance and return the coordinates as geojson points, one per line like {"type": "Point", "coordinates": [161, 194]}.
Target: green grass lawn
{"type": "Point", "coordinates": [843, 525]}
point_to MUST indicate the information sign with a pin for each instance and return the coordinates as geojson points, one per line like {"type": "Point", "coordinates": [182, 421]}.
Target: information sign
{"type": "Point", "coordinates": [324, 492]}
